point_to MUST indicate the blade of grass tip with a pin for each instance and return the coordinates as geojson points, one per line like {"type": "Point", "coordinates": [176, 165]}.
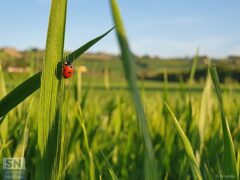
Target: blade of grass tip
{"type": "Point", "coordinates": [29, 86]}
{"type": "Point", "coordinates": [51, 75]}
{"type": "Point", "coordinates": [110, 169]}
{"type": "Point", "coordinates": [187, 145]}
{"type": "Point", "coordinates": [230, 164]}
{"type": "Point", "coordinates": [194, 67]}
{"type": "Point", "coordinates": [129, 68]}
{"type": "Point", "coordinates": [73, 56]}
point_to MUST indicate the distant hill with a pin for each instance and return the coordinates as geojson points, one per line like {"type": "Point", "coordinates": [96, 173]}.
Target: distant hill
{"type": "Point", "coordinates": [11, 52]}
{"type": "Point", "coordinates": [148, 67]}
{"type": "Point", "coordinates": [14, 53]}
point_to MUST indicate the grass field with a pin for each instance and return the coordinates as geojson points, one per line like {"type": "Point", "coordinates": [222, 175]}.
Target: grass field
{"type": "Point", "coordinates": [105, 123]}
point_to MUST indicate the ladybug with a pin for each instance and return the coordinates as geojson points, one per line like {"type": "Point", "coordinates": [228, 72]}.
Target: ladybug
{"type": "Point", "coordinates": [67, 71]}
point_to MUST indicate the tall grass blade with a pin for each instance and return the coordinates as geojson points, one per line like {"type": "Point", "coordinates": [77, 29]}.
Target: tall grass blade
{"type": "Point", "coordinates": [4, 124]}
{"type": "Point", "coordinates": [4, 133]}
{"type": "Point", "coordinates": [129, 68]}
{"type": "Point", "coordinates": [29, 86]}
{"type": "Point", "coordinates": [230, 164]}
{"type": "Point", "coordinates": [2, 83]}
{"type": "Point", "coordinates": [48, 116]}
{"type": "Point", "coordinates": [187, 145]}
{"type": "Point", "coordinates": [205, 111]}
{"type": "Point", "coordinates": [194, 67]}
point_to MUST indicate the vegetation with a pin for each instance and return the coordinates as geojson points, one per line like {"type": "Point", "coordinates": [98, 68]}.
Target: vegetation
{"type": "Point", "coordinates": [148, 68]}
{"type": "Point", "coordinates": [108, 124]}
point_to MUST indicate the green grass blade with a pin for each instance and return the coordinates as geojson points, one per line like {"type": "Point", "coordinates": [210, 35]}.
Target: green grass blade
{"type": "Point", "coordinates": [4, 133]}
{"type": "Point", "coordinates": [19, 94]}
{"type": "Point", "coordinates": [50, 83]}
{"type": "Point", "coordinates": [194, 67]}
{"type": "Point", "coordinates": [29, 86]}
{"type": "Point", "coordinates": [63, 134]}
{"type": "Point", "coordinates": [110, 169]}
{"type": "Point", "coordinates": [21, 147]}
{"type": "Point", "coordinates": [86, 46]}
{"type": "Point", "coordinates": [4, 124]}
{"type": "Point", "coordinates": [230, 164]}
{"type": "Point", "coordinates": [205, 111]}
{"type": "Point", "coordinates": [129, 68]}
{"type": "Point", "coordinates": [2, 83]}
{"type": "Point", "coordinates": [187, 145]}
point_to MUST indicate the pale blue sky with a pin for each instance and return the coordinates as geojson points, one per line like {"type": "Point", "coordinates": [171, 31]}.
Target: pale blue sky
{"type": "Point", "coordinates": [156, 27]}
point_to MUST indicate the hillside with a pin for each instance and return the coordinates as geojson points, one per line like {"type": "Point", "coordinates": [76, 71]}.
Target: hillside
{"type": "Point", "coordinates": [149, 68]}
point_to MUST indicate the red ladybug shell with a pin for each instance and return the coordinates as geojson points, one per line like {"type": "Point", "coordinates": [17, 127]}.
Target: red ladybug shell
{"type": "Point", "coordinates": [67, 71]}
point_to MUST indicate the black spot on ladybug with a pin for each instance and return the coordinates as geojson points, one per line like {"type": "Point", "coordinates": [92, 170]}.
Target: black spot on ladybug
{"type": "Point", "coordinates": [69, 72]}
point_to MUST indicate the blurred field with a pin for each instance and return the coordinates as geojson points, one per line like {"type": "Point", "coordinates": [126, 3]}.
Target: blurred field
{"type": "Point", "coordinates": [148, 67]}
{"type": "Point", "coordinates": [102, 120]}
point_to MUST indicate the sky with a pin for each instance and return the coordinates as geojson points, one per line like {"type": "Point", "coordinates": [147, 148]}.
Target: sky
{"type": "Point", "coordinates": [165, 28]}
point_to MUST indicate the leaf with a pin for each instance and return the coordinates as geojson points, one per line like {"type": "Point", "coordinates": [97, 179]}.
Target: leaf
{"type": "Point", "coordinates": [194, 67]}
{"type": "Point", "coordinates": [29, 86]}
{"type": "Point", "coordinates": [50, 83]}
{"type": "Point", "coordinates": [19, 94]}
{"type": "Point", "coordinates": [4, 132]}
{"type": "Point", "coordinates": [4, 124]}
{"type": "Point", "coordinates": [205, 118]}
{"type": "Point", "coordinates": [230, 164]}
{"type": "Point", "coordinates": [187, 145]}
{"type": "Point", "coordinates": [86, 46]}
{"type": "Point", "coordinates": [2, 83]}
{"type": "Point", "coordinates": [129, 68]}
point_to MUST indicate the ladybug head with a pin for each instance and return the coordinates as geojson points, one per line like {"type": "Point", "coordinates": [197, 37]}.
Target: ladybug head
{"type": "Point", "coordinates": [66, 63]}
